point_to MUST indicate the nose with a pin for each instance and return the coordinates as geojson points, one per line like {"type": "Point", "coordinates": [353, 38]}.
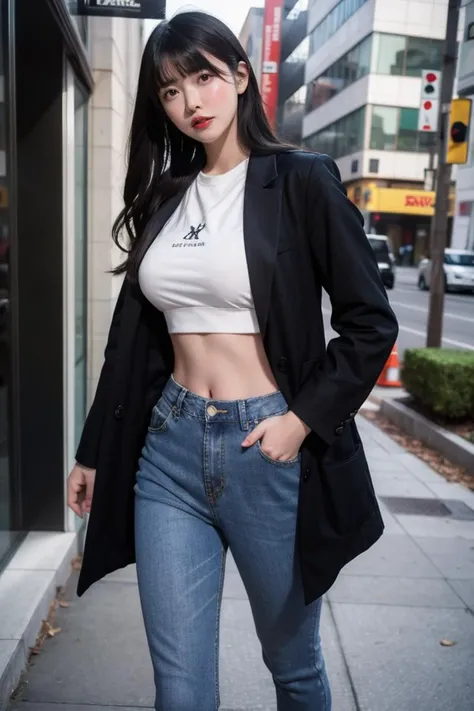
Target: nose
{"type": "Point", "coordinates": [192, 100]}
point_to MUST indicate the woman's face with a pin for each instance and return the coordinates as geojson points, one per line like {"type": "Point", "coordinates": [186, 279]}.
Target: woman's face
{"type": "Point", "coordinates": [203, 106]}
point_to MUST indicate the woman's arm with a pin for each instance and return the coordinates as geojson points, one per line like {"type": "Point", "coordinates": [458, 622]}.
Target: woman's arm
{"type": "Point", "coordinates": [361, 313]}
{"type": "Point", "coordinates": [88, 449]}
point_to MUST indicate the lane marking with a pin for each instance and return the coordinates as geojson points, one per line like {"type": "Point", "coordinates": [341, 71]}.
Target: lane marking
{"type": "Point", "coordinates": [451, 297]}
{"type": "Point", "coordinates": [450, 341]}
{"type": "Point", "coordinates": [422, 334]}
{"type": "Point", "coordinates": [425, 310]}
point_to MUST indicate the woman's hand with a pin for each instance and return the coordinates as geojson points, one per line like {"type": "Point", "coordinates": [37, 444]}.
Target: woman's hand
{"type": "Point", "coordinates": [281, 436]}
{"type": "Point", "coordinates": [80, 488]}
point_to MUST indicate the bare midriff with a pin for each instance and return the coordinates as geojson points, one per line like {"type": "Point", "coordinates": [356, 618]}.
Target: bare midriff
{"type": "Point", "coordinates": [222, 366]}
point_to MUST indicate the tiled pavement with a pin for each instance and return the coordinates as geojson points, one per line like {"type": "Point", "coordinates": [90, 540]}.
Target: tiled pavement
{"type": "Point", "coordinates": [382, 624]}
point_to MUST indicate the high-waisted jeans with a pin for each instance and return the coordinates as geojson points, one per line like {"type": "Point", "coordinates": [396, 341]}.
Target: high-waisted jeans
{"type": "Point", "coordinates": [198, 493]}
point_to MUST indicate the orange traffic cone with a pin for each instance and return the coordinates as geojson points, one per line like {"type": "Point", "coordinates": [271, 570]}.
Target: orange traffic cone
{"type": "Point", "coordinates": [390, 375]}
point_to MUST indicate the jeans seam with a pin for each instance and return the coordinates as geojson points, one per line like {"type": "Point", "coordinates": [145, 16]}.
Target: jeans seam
{"type": "Point", "coordinates": [216, 637]}
{"type": "Point", "coordinates": [316, 634]}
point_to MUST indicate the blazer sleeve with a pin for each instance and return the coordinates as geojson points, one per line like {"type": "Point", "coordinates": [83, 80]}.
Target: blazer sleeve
{"type": "Point", "coordinates": [88, 448]}
{"type": "Point", "coordinates": [361, 314]}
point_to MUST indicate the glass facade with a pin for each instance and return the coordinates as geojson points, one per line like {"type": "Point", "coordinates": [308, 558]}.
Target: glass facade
{"type": "Point", "coordinates": [7, 493]}
{"type": "Point", "coordinates": [296, 11]}
{"type": "Point", "coordinates": [352, 66]}
{"type": "Point", "coordinates": [376, 54]}
{"type": "Point", "coordinates": [80, 257]}
{"type": "Point", "coordinates": [340, 138]}
{"type": "Point", "coordinates": [396, 129]}
{"type": "Point", "coordinates": [330, 24]}
{"type": "Point", "coordinates": [301, 53]}
{"type": "Point", "coordinates": [405, 56]}
{"type": "Point", "coordinates": [42, 283]}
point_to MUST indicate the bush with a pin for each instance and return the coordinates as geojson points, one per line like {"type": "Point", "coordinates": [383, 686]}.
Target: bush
{"type": "Point", "coordinates": [441, 379]}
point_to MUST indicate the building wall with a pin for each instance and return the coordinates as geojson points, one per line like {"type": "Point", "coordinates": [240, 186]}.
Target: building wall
{"type": "Point", "coordinates": [463, 228]}
{"type": "Point", "coordinates": [251, 38]}
{"type": "Point", "coordinates": [116, 48]}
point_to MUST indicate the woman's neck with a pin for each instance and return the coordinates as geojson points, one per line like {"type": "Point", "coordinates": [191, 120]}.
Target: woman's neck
{"type": "Point", "coordinates": [225, 154]}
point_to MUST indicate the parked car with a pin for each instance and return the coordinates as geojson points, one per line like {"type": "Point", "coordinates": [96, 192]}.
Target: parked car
{"type": "Point", "coordinates": [382, 248]}
{"type": "Point", "coordinates": [458, 266]}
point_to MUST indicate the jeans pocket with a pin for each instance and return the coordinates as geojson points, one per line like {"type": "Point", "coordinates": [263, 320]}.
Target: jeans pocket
{"type": "Point", "coordinates": [277, 462]}
{"type": "Point", "coordinates": [159, 417]}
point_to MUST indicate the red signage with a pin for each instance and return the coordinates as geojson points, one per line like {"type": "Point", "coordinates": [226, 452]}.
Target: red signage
{"type": "Point", "coordinates": [418, 201]}
{"type": "Point", "coordinates": [272, 22]}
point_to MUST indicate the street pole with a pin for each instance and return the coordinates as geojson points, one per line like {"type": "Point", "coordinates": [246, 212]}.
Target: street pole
{"type": "Point", "coordinates": [443, 182]}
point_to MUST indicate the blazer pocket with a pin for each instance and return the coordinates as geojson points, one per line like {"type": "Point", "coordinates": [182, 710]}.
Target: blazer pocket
{"type": "Point", "coordinates": [350, 494]}
{"type": "Point", "coordinates": [308, 366]}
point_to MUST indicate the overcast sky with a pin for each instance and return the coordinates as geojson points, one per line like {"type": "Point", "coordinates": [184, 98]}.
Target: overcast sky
{"type": "Point", "coordinates": [232, 12]}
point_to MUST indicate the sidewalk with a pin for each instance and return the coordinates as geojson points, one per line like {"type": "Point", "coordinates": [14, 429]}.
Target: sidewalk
{"type": "Point", "coordinates": [382, 621]}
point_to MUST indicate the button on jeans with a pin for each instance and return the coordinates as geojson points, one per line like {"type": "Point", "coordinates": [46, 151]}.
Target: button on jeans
{"type": "Point", "coordinates": [199, 492]}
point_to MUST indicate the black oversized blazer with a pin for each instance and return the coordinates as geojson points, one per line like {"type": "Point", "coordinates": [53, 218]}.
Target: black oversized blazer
{"type": "Point", "coordinates": [301, 233]}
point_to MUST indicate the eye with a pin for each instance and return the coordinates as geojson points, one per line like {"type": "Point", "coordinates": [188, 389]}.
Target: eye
{"type": "Point", "coordinates": [169, 94]}
{"type": "Point", "coordinates": [205, 76]}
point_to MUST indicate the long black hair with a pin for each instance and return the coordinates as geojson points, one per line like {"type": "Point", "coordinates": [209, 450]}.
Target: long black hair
{"type": "Point", "coordinates": [161, 159]}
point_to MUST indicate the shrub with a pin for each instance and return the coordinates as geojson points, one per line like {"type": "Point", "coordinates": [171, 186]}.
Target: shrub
{"type": "Point", "coordinates": [441, 379]}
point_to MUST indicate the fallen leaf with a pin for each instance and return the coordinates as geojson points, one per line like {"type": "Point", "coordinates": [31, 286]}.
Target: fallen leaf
{"type": "Point", "coordinates": [447, 643]}
{"type": "Point", "coordinates": [52, 631]}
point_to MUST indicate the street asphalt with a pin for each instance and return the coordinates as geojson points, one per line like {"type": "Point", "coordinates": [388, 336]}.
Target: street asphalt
{"type": "Point", "coordinates": [411, 307]}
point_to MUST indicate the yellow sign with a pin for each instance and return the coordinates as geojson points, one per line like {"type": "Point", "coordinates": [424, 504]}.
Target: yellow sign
{"type": "Point", "coordinates": [458, 132]}
{"type": "Point", "coordinates": [402, 201]}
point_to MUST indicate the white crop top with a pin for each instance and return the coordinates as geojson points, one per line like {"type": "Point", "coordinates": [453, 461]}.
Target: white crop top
{"type": "Point", "coordinates": [196, 271]}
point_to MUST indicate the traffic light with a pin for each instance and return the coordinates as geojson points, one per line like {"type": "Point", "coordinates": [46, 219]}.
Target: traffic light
{"type": "Point", "coordinates": [430, 81]}
{"type": "Point", "coordinates": [429, 101]}
{"type": "Point", "coordinates": [458, 133]}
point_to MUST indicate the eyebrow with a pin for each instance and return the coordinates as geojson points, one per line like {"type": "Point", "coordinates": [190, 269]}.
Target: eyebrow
{"type": "Point", "coordinates": [168, 83]}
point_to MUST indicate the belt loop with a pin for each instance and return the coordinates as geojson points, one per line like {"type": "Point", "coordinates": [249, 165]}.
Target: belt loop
{"type": "Point", "coordinates": [179, 401]}
{"type": "Point", "coordinates": [244, 424]}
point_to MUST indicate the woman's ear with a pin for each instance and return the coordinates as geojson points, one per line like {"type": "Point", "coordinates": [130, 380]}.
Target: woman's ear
{"type": "Point", "coordinates": [242, 77]}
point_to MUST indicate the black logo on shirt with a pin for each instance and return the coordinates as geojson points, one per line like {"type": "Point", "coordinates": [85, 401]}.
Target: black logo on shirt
{"type": "Point", "coordinates": [194, 231]}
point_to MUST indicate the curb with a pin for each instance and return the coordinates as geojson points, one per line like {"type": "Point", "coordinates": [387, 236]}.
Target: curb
{"type": "Point", "coordinates": [32, 586]}
{"type": "Point", "coordinates": [453, 447]}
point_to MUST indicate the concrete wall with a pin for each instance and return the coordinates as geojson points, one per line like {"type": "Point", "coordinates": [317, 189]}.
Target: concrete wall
{"type": "Point", "coordinates": [116, 48]}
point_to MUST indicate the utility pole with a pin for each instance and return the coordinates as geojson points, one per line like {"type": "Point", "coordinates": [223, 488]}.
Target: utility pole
{"type": "Point", "coordinates": [443, 181]}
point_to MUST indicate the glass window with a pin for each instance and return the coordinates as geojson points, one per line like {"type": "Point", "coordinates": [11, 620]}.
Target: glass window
{"type": "Point", "coordinates": [463, 260]}
{"type": "Point", "coordinates": [389, 53]}
{"type": "Point", "coordinates": [330, 24]}
{"type": "Point", "coordinates": [365, 49]}
{"type": "Point", "coordinates": [408, 130]}
{"type": "Point", "coordinates": [342, 137]}
{"type": "Point", "coordinates": [9, 490]}
{"type": "Point", "coordinates": [348, 69]}
{"type": "Point", "coordinates": [422, 54]}
{"type": "Point", "coordinates": [80, 232]}
{"type": "Point", "coordinates": [383, 130]}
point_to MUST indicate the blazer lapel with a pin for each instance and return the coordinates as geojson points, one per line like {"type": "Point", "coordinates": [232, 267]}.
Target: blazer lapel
{"type": "Point", "coordinates": [157, 222]}
{"type": "Point", "coordinates": [262, 210]}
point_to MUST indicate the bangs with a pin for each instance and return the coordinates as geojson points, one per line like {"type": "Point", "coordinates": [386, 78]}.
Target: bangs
{"type": "Point", "coordinates": [173, 62]}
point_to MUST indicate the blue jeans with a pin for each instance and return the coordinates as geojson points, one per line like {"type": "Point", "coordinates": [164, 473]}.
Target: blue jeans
{"type": "Point", "coordinates": [198, 492]}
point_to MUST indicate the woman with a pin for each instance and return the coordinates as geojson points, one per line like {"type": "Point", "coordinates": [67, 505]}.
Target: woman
{"type": "Point", "coordinates": [220, 419]}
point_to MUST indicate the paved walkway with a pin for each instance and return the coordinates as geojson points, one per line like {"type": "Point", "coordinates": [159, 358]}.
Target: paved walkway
{"type": "Point", "coordinates": [382, 625]}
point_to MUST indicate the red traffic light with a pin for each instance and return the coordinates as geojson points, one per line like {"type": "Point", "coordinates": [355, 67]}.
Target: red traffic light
{"type": "Point", "coordinates": [458, 132]}
{"type": "Point", "coordinates": [430, 84]}
{"type": "Point", "coordinates": [427, 105]}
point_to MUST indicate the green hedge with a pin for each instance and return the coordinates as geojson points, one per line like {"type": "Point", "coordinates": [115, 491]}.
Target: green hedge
{"type": "Point", "coordinates": [441, 379]}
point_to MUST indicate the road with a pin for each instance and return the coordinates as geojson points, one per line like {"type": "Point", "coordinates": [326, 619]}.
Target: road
{"type": "Point", "coordinates": [411, 307]}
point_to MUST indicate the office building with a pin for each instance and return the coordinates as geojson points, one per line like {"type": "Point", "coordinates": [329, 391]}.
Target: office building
{"type": "Point", "coordinates": [363, 78]}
